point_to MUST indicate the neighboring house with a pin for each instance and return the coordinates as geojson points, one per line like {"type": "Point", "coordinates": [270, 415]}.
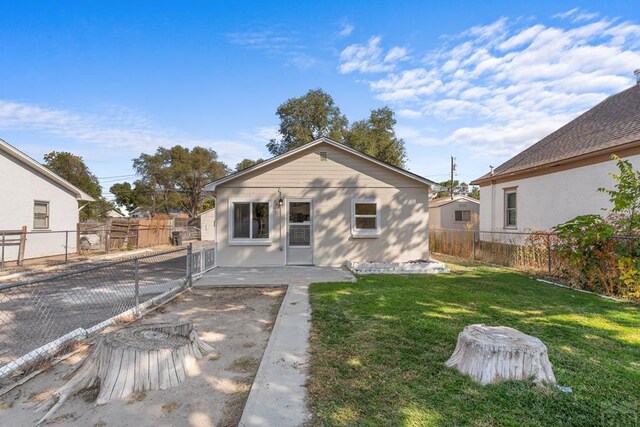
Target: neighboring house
{"type": "Point", "coordinates": [558, 178]}
{"type": "Point", "coordinates": [140, 213]}
{"type": "Point", "coordinates": [459, 213]}
{"type": "Point", "coordinates": [207, 225]}
{"type": "Point", "coordinates": [37, 198]}
{"type": "Point", "coordinates": [114, 213]}
{"type": "Point", "coordinates": [324, 204]}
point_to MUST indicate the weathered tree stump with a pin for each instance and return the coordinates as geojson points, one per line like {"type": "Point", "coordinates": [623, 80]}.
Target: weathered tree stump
{"type": "Point", "coordinates": [494, 354]}
{"type": "Point", "coordinates": [142, 358]}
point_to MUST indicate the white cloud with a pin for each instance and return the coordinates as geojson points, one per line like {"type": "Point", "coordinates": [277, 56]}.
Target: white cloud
{"type": "Point", "coordinates": [500, 87]}
{"type": "Point", "coordinates": [124, 130]}
{"type": "Point", "coordinates": [370, 58]}
{"type": "Point", "coordinates": [286, 45]}
{"type": "Point", "coordinates": [345, 29]}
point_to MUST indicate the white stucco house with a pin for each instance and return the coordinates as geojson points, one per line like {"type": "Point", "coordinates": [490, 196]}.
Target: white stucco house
{"type": "Point", "coordinates": [321, 204]}
{"type": "Point", "coordinates": [457, 213]}
{"type": "Point", "coordinates": [558, 178]}
{"type": "Point", "coordinates": [34, 197]}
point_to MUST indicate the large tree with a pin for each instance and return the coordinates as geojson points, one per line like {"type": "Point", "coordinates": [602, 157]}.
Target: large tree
{"type": "Point", "coordinates": [173, 178]}
{"type": "Point", "coordinates": [247, 163]}
{"type": "Point", "coordinates": [73, 169]}
{"type": "Point", "coordinates": [376, 137]}
{"type": "Point", "coordinates": [125, 195]}
{"type": "Point", "coordinates": [191, 170]}
{"type": "Point", "coordinates": [307, 118]}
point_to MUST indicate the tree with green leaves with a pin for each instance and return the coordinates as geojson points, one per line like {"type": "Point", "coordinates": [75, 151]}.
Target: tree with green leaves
{"type": "Point", "coordinates": [73, 169]}
{"type": "Point", "coordinates": [191, 170]}
{"type": "Point", "coordinates": [173, 178]}
{"type": "Point", "coordinates": [125, 195]}
{"type": "Point", "coordinates": [306, 119]}
{"type": "Point", "coordinates": [376, 137]}
{"type": "Point", "coordinates": [625, 197]}
{"type": "Point", "coordinates": [247, 163]}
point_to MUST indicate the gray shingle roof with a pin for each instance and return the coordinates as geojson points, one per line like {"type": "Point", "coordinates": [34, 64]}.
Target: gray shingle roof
{"type": "Point", "coordinates": [613, 122]}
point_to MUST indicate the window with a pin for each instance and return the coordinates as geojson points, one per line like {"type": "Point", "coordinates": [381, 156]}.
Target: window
{"type": "Point", "coordinates": [250, 221]}
{"type": "Point", "coordinates": [364, 220]}
{"type": "Point", "coordinates": [510, 209]}
{"type": "Point", "coordinates": [463, 216]}
{"type": "Point", "coordinates": [40, 215]}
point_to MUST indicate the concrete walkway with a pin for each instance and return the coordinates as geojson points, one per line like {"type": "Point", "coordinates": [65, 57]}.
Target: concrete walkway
{"type": "Point", "coordinates": [278, 394]}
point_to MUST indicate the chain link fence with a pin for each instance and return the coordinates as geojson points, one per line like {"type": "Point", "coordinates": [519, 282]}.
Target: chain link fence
{"type": "Point", "coordinates": [39, 317]}
{"type": "Point", "coordinates": [533, 252]}
{"type": "Point", "coordinates": [21, 249]}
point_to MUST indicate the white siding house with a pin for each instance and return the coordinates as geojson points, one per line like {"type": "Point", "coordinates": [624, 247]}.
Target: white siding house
{"type": "Point", "coordinates": [459, 213]}
{"type": "Point", "coordinates": [558, 178]}
{"type": "Point", "coordinates": [35, 197]}
{"type": "Point", "coordinates": [321, 204]}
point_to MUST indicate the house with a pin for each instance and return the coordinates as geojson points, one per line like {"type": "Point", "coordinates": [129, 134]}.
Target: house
{"type": "Point", "coordinates": [207, 224]}
{"type": "Point", "coordinates": [115, 213]}
{"type": "Point", "coordinates": [40, 200]}
{"type": "Point", "coordinates": [320, 204]}
{"type": "Point", "coordinates": [558, 178]}
{"type": "Point", "coordinates": [457, 213]}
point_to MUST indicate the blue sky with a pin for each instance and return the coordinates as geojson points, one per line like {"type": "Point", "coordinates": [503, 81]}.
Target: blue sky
{"type": "Point", "coordinates": [477, 80]}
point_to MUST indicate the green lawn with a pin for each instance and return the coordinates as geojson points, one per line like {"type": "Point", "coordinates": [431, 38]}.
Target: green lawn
{"type": "Point", "coordinates": [379, 346]}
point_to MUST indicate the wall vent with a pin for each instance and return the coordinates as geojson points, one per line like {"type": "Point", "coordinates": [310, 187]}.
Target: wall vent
{"type": "Point", "coordinates": [323, 156]}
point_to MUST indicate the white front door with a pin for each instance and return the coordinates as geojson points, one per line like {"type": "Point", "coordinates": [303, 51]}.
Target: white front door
{"type": "Point", "coordinates": [299, 232]}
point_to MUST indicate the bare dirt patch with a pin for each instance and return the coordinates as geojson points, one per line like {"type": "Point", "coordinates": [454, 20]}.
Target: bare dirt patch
{"type": "Point", "coordinates": [229, 319]}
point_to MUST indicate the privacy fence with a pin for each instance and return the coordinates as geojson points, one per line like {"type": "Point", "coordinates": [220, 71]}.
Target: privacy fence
{"type": "Point", "coordinates": [40, 317]}
{"type": "Point", "coordinates": [539, 253]}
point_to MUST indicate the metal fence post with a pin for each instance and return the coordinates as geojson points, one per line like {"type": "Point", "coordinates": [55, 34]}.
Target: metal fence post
{"type": "Point", "coordinates": [473, 238]}
{"type": "Point", "coordinates": [2, 261]}
{"type": "Point", "coordinates": [66, 246]}
{"type": "Point", "coordinates": [549, 253]}
{"type": "Point", "coordinates": [190, 264]}
{"type": "Point", "coordinates": [137, 287]}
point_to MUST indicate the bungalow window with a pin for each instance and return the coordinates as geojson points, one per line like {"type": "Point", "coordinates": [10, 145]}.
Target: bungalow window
{"type": "Point", "coordinates": [40, 215]}
{"type": "Point", "coordinates": [462, 216]}
{"type": "Point", "coordinates": [250, 221]}
{"type": "Point", "coordinates": [365, 221]}
{"type": "Point", "coordinates": [510, 209]}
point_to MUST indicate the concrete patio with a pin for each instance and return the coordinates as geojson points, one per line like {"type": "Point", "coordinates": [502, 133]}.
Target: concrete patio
{"type": "Point", "coordinates": [278, 394]}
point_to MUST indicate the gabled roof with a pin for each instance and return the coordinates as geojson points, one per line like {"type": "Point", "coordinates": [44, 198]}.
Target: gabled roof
{"type": "Point", "coordinates": [31, 163]}
{"type": "Point", "coordinates": [212, 185]}
{"type": "Point", "coordinates": [613, 123]}
{"type": "Point", "coordinates": [441, 201]}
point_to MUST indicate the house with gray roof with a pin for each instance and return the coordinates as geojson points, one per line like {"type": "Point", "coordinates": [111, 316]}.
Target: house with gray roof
{"type": "Point", "coordinates": [558, 178]}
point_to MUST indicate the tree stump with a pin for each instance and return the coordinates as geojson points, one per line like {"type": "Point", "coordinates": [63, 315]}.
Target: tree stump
{"type": "Point", "coordinates": [494, 354]}
{"type": "Point", "coordinates": [142, 358]}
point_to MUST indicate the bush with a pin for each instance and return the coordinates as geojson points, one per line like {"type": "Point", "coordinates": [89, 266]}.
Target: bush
{"type": "Point", "coordinates": [603, 255]}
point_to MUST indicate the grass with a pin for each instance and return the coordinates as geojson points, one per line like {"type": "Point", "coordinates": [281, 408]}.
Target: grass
{"type": "Point", "coordinates": [378, 349]}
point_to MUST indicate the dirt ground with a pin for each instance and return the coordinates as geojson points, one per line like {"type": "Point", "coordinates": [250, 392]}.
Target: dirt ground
{"type": "Point", "coordinates": [236, 321]}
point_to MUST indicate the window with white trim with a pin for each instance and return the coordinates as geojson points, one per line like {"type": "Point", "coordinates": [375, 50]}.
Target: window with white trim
{"type": "Point", "coordinates": [40, 215]}
{"type": "Point", "coordinates": [510, 209]}
{"type": "Point", "coordinates": [462, 216]}
{"type": "Point", "coordinates": [250, 221]}
{"type": "Point", "coordinates": [365, 220]}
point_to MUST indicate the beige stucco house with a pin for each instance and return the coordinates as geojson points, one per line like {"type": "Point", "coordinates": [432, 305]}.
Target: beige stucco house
{"type": "Point", "coordinates": [558, 178]}
{"type": "Point", "coordinates": [457, 213]}
{"type": "Point", "coordinates": [321, 204]}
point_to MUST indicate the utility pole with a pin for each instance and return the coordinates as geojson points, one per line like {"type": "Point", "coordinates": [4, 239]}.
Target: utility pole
{"type": "Point", "coordinates": [453, 168]}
